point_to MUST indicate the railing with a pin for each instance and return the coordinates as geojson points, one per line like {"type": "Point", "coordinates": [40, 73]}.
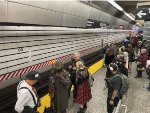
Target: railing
{"type": "Point", "coordinates": [122, 105]}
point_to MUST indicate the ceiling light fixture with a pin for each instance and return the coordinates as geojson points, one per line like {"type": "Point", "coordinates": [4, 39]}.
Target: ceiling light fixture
{"type": "Point", "coordinates": [115, 4]}
{"type": "Point", "coordinates": [129, 16]}
{"type": "Point", "coordinates": [112, 2]}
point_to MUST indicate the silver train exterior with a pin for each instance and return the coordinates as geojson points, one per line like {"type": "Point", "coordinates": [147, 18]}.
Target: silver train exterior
{"type": "Point", "coordinates": [55, 13]}
{"type": "Point", "coordinates": [23, 49]}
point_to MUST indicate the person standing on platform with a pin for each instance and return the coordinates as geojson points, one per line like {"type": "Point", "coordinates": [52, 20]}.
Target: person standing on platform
{"type": "Point", "coordinates": [83, 87]}
{"type": "Point", "coordinates": [27, 99]}
{"type": "Point", "coordinates": [109, 57]}
{"type": "Point", "coordinates": [113, 89]}
{"type": "Point", "coordinates": [134, 43]}
{"type": "Point", "coordinates": [125, 55]}
{"type": "Point", "coordinates": [61, 92]}
{"type": "Point", "coordinates": [143, 57]}
{"type": "Point", "coordinates": [131, 56]}
{"type": "Point", "coordinates": [142, 60]}
{"type": "Point", "coordinates": [72, 71]}
{"type": "Point", "coordinates": [110, 54]}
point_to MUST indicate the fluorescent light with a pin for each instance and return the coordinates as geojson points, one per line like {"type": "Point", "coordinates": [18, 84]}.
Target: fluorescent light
{"type": "Point", "coordinates": [129, 16]}
{"type": "Point", "coordinates": [115, 4]}
{"type": "Point", "coordinates": [112, 2]}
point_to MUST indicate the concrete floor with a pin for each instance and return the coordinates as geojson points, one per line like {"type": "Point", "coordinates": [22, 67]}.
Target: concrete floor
{"type": "Point", "coordinates": [138, 99]}
{"type": "Point", "coordinates": [98, 101]}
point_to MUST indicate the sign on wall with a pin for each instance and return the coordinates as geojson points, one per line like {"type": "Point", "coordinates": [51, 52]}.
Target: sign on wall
{"type": "Point", "coordinates": [143, 14]}
{"type": "Point", "coordinates": [96, 24]}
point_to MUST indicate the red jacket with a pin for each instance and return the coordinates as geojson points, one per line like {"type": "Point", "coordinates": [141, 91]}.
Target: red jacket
{"type": "Point", "coordinates": [143, 58]}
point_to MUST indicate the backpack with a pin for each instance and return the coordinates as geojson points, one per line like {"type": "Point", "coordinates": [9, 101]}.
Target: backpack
{"type": "Point", "coordinates": [124, 83]}
{"type": "Point", "coordinates": [82, 75]}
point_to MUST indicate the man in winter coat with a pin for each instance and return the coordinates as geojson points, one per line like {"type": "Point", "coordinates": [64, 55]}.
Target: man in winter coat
{"type": "Point", "coordinates": [61, 92]}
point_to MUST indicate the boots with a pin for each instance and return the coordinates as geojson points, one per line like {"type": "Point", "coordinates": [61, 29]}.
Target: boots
{"type": "Point", "coordinates": [81, 110]}
{"type": "Point", "coordinates": [148, 87]}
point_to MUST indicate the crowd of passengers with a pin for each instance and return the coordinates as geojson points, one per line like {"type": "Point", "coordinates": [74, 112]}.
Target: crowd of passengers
{"type": "Point", "coordinates": [133, 49]}
{"type": "Point", "coordinates": [118, 59]}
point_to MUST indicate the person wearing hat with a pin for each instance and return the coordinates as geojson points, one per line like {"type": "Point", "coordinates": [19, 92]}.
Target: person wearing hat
{"type": "Point", "coordinates": [27, 100]}
{"type": "Point", "coordinates": [61, 92]}
{"type": "Point", "coordinates": [113, 88]}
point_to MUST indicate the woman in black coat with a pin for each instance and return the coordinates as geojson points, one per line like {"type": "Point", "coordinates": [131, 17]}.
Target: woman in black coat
{"type": "Point", "coordinates": [130, 51]}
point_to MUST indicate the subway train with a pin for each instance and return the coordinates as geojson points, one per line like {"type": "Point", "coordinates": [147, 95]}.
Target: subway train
{"type": "Point", "coordinates": [25, 50]}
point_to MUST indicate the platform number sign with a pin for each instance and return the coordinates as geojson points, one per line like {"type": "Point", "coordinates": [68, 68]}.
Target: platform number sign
{"type": "Point", "coordinates": [143, 14]}
{"type": "Point", "coordinates": [20, 49]}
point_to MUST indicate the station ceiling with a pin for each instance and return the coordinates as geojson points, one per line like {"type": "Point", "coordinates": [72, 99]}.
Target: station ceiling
{"type": "Point", "coordinates": [128, 6]}
{"type": "Point", "coordinates": [131, 6]}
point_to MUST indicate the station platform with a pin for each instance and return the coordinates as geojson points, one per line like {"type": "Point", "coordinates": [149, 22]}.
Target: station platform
{"type": "Point", "coordinates": [99, 95]}
{"type": "Point", "coordinates": [138, 96]}
{"type": "Point", "coordinates": [137, 99]}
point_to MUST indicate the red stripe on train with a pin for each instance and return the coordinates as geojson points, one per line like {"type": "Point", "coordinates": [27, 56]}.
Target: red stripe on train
{"type": "Point", "coordinates": [38, 66]}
